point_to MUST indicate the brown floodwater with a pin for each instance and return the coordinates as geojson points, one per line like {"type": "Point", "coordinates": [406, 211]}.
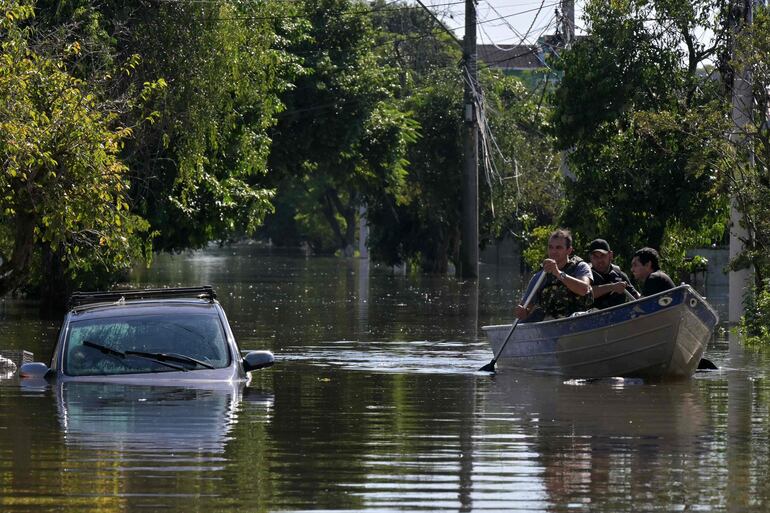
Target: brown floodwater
{"type": "Point", "coordinates": [375, 404]}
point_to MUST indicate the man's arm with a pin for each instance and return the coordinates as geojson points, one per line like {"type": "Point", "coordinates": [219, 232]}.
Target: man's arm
{"type": "Point", "coordinates": [521, 312]}
{"type": "Point", "coordinates": [630, 288]}
{"type": "Point", "coordinates": [580, 284]}
{"type": "Point", "coordinates": [609, 288]}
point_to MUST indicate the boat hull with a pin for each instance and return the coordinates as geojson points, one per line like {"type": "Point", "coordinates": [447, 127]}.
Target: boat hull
{"type": "Point", "coordinates": [660, 336]}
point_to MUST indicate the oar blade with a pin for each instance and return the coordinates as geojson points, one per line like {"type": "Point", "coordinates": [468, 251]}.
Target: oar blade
{"type": "Point", "coordinates": [490, 367]}
{"type": "Point", "coordinates": [705, 364]}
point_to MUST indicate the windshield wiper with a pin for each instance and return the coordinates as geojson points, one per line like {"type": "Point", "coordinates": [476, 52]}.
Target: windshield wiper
{"type": "Point", "coordinates": [104, 349]}
{"type": "Point", "coordinates": [139, 354]}
{"type": "Point", "coordinates": [174, 357]}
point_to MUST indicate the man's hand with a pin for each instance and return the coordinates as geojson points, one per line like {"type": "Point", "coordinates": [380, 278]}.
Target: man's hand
{"type": "Point", "coordinates": [550, 266]}
{"type": "Point", "coordinates": [521, 312]}
{"type": "Point", "coordinates": [618, 288]}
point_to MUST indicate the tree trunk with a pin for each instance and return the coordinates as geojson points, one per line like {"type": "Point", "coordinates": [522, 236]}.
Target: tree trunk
{"type": "Point", "coordinates": [332, 204]}
{"type": "Point", "coordinates": [14, 272]}
{"type": "Point", "coordinates": [435, 258]}
{"type": "Point", "coordinates": [54, 288]}
{"type": "Point", "coordinates": [328, 209]}
{"type": "Point", "coordinates": [350, 232]}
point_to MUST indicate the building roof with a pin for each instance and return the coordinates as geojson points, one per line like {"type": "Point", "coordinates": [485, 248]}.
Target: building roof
{"type": "Point", "coordinates": [521, 57]}
{"type": "Point", "coordinates": [511, 57]}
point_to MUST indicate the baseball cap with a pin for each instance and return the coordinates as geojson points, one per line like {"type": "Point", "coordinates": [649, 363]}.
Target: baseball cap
{"type": "Point", "coordinates": [600, 245]}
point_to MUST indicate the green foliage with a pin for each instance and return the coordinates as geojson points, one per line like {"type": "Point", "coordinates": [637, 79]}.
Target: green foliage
{"type": "Point", "coordinates": [528, 189]}
{"type": "Point", "coordinates": [198, 165]}
{"type": "Point", "coordinates": [205, 78]}
{"type": "Point", "coordinates": [645, 130]}
{"type": "Point", "coordinates": [410, 40]}
{"type": "Point", "coordinates": [342, 139]}
{"type": "Point", "coordinates": [64, 199]}
{"type": "Point", "coordinates": [537, 249]}
{"type": "Point", "coordinates": [750, 179]}
{"type": "Point", "coordinates": [755, 324]}
{"type": "Point", "coordinates": [621, 66]}
{"type": "Point", "coordinates": [422, 223]}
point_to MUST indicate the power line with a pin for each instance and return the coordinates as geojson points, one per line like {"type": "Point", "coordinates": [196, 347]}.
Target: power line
{"type": "Point", "coordinates": [533, 50]}
{"type": "Point", "coordinates": [523, 37]}
{"type": "Point", "coordinates": [360, 12]}
{"type": "Point", "coordinates": [506, 22]}
{"type": "Point", "coordinates": [440, 23]}
{"type": "Point", "coordinates": [520, 13]}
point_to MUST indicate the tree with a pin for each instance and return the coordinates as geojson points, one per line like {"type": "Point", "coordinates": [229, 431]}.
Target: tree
{"type": "Point", "coordinates": [750, 181]}
{"type": "Point", "coordinates": [342, 138]}
{"type": "Point", "coordinates": [644, 126]}
{"type": "Point", "coordinates": [524, 188]}
{"type": "Point", "coordinates": [423, 225]}
{"type": "Point", "coordinates": [200, 141]}
{"type": "Point", "coordinates": [209, 148]}
{"type": "Point", "coordinates": [64, 202]}
{"type": "Point", "coordinates": [420, 223]}
{"type": "Point", "coordinates": [410, 40]}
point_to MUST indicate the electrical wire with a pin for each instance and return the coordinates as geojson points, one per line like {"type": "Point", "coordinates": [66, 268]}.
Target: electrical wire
{"type": "Point", "coordinates": [533, 49]}
{"type": "Point", "coordinates": [487, 140]}
{"type": "Point", "coordinates": [523, 37]}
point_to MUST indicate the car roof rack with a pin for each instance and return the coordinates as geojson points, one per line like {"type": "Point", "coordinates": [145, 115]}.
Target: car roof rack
{"type": "Point", "coordinates": [86, 298]}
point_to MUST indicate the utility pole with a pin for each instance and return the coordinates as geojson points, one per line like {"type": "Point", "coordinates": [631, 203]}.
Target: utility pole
{"type": "Point", "coordinates": [363, 233]}
{"type": "Point", "coordinates": [568, 22]}
{"type": "Point", "coordinates": [568, 37]}
{"type": "Point", "coordinates": [469, 249]}
{"type": "Point", "coordinates": [742, 101]}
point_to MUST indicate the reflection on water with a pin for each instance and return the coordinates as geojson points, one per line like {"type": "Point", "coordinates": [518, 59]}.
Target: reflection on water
{"type": "Point", "coordinates": [289, 299]}
{"type": "Point", "coordinates": [114, 447]}
{"type": "Point", "coordinates": [375, 404]}
{"type": "Point", "coordinates": [596, 444]}
{"type": "Point", "coordinates": [147, 420]}
{"type": "Point", "coordinates": [423, 356]}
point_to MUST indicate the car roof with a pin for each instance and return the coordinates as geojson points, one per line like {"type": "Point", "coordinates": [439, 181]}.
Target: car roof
{"type": "Point", "coordinates": [86, 298]}
{"type": "Point", "coordinates": [144, 307]}
{"type": "Point", "coordinates": [146, 301]}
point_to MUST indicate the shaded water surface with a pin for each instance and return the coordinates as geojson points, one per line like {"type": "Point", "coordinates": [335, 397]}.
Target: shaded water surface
{"type": "Point", "coordinates": [374, 404]}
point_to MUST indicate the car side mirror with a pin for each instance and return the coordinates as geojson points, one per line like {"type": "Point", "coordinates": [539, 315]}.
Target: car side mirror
{"type": "Point", "coordinates": [257, 360]}
{"type": "Point", "coordinates": [34, 370]}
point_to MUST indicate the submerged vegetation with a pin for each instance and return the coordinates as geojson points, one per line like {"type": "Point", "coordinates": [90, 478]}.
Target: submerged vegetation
{"type": "Point", "coordinates": [128, 127]}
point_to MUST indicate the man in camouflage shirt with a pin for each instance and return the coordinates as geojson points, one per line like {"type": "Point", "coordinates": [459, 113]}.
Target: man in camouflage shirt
{"type": "Point", "coordinates": [567, 286]}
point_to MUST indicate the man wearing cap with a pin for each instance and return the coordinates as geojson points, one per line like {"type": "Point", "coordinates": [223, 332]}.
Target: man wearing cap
{"type": "Point", "coordinates": [610, 283]}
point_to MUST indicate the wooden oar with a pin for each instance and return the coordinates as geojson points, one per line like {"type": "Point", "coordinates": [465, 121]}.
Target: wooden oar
{"type": "Point", "coordinates": [490, 367]}
{"type": "Point", "coordinates": [703, 364]}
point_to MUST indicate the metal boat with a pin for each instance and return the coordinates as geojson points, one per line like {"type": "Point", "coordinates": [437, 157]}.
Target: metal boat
{"type": "Point", "coordinates": [659, 336]}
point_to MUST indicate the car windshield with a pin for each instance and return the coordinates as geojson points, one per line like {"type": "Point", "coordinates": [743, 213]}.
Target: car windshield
{"type": "Point", "coordinates": [147, 343]}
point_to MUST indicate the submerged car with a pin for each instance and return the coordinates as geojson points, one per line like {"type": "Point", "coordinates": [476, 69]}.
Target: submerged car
{"type": "Point", "coordinates": [147, 336]}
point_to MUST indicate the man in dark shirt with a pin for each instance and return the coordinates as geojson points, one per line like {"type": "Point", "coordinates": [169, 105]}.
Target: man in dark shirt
{"type": "Point", "coordinates": [609, 282]}
{"type": "Point", "coordinates": [646, 270]}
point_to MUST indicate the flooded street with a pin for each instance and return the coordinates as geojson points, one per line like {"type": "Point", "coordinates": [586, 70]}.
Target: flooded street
{"type": "Point", "coordinates": [374, 404]}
